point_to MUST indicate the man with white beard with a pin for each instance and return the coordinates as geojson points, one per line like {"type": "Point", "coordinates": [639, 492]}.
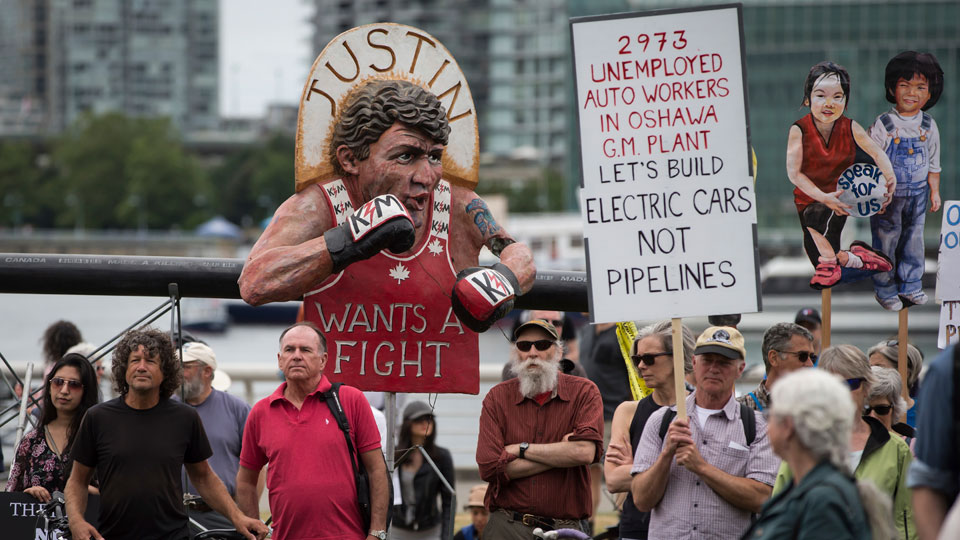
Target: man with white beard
{"type": "Point", "coordinates": [223, 416]}
{"type": "Point", "coordinates": [539, 433]}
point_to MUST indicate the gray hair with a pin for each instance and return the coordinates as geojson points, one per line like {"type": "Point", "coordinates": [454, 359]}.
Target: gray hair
{"type": "Point", "coordinates": [663, 330]}
{"type": "Point", "coordinates": [887, 385]}
{"type": "Point", "coordinates": [778, 336]}
{"type": "Point", "coordinates": [891, 352]}
{"type": "Point", "coordinates": [822, 412]}
{"type": "Point", "coordinates": [375, 106]}
{"type": "Point", "coordinates": [848, 362]}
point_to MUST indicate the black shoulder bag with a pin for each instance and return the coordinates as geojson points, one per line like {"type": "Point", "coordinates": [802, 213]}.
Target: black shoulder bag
{"type": "Point", "coordinates": [359, 471]}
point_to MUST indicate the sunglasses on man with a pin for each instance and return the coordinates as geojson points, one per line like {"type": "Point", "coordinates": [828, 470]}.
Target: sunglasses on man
{"type": "Point", "coordinates": [648, 358]}
{"type": "Point", "coordinates": [540, 344]}
{"type": "Point", "coordinates": [803, 356]}
{"type": "Point", "coordinates": [881, 410]}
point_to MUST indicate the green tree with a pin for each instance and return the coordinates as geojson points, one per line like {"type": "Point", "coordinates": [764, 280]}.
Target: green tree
{"type": "Point", "coordinates": [254, 181]}
{"type": "Point", "coordinates": [116, 171]}
{"type": "Point", "coordinates": [21, 190]}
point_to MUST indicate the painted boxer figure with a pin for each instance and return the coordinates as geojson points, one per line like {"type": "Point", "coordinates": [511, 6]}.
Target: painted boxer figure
{"type": "Point", "coordinates": [387, 145]}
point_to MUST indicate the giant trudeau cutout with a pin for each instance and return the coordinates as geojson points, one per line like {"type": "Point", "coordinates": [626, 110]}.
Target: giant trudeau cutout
{"type": "Point", "coordinates": [386, 116]}
{"type": "Point", "coordinates": [667, 192]}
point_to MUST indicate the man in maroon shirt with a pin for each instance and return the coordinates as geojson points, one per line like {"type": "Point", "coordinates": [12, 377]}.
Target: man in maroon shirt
{"type": "Point", "coordinates": [539, 433]}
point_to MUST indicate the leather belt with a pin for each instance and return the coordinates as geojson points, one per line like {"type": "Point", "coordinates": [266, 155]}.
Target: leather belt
{"type": "Point", "coordinates": [533, 520]}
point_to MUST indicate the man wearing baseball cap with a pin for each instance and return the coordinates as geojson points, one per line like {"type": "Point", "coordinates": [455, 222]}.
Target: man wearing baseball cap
{"type": "Point", "coordinates": [706, 474]}
{"type": "Point", "coordinates": [539, 433]}
{"type": "Point", "coordinates": [223, 416]}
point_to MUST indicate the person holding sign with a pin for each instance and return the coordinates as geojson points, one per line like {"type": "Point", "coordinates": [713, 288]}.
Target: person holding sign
{"type": "Point", "coordinates": [911, 139]}
{"type": "Point", "coordinates": [821, 147]}
{"type": "Point", "coordinates": [653, 355]}
{"type": "Point", "coordinates": [704, 476]}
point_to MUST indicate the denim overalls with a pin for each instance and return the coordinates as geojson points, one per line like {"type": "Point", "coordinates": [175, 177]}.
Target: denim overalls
{"type": "Point", "coordinates": [898, 232]}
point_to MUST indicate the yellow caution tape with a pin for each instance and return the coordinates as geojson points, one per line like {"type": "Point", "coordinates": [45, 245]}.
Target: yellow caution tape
{"type": "Point", "coordinates": [626, 334]}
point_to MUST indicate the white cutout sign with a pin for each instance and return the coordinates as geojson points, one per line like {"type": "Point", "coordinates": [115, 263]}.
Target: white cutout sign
{"type": "Point", "coordinates": [667, 193]}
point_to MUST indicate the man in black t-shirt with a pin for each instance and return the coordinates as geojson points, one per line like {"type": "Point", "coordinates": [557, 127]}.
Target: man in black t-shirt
{"type": "Point", "coordinates": [138, 443]}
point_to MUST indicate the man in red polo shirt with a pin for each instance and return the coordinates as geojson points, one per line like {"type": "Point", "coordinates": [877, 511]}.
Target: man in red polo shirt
{"type": "Point", "coordinates": [539, 433]}
{"type": "Point", "coordinates": [310, 478]}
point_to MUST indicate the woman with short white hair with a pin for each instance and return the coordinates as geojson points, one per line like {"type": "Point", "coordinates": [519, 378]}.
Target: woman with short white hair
{"type": "Point", "coordinates": [873, 454]}
{"type": "Point", "coordinates": [809, 426]}
{"type": "Point", "coordinates": [886, 354]}
{"type": "Point", "coordinates": [885, 403]}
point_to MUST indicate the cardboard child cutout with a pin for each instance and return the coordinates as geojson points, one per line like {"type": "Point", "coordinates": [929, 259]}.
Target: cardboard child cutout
{"type": "Point", "coordinates": [909, 136]}
{"type": "Point", "coordinates": [383, 235]}
{"type": "Point", "coordinates": [827, 155]}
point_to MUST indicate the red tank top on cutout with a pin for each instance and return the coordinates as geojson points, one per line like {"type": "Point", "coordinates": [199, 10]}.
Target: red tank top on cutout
{"type": "Point", "coordinates": [388, 319]}
{"type": "Point", "coordinates": [824, 161]}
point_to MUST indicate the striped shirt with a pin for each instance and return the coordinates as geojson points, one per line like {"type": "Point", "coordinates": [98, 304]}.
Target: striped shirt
{"type": "Point", "coordinates": [691, 509]}
{"type": "Point", "coordinates": [508, 418]}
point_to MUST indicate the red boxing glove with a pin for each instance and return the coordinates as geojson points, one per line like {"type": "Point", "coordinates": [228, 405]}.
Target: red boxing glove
{"type": "Point", "coordinates": [482, 296]}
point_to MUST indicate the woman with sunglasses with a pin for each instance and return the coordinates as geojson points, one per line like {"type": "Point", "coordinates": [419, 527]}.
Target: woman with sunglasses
{"type": "Point", "coordinates": [653, 355]}
{"type": "Point", "coordinates": [42, 460]}
{"type": "Point", "coordinates": [874, 454]}
{"type": "Point", "coordinates": [887, 354]}
{"type": "Point", "coordinates": [885, 403]}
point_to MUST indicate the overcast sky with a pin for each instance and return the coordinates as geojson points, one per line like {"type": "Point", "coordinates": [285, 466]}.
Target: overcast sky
{"type": "Point", "coordinates": [265, 54]}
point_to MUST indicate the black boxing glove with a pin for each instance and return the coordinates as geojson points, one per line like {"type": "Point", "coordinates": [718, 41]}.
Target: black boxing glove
{"type": "Point", "coordinates": [482, 296]}
{"type": "Point", "coordinates": [382, 223]}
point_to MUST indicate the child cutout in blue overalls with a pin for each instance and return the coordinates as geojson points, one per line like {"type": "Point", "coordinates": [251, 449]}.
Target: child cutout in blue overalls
{"type": "Point", "coordinates": [909, 136]}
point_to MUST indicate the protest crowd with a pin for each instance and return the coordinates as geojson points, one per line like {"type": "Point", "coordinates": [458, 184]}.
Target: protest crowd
{"type": "Point", "coordinates": [823, 447]}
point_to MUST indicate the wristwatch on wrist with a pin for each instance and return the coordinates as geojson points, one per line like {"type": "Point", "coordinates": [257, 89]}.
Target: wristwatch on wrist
{"type": "Point", "coordinates": [523, 449]}
{"type": "Point", "coordinates": [381, 534]}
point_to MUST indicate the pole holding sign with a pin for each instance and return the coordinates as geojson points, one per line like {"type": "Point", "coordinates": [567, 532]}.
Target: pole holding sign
{"type": "Point", "coordinates": [667, 192]}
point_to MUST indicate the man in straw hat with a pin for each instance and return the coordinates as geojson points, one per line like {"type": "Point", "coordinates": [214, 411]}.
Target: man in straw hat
{"type": "Point", "coordinates": [223, 416]}
{"type": "Point", "coordinates": [478, 515]}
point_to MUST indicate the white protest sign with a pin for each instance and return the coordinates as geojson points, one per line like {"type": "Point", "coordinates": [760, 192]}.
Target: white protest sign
{"type": "Point", "coordinates": [948, 260]}
{"type": "Point", "coordinates": [667, 195]}
{"type": "Point", "coordinates": [949, 324]}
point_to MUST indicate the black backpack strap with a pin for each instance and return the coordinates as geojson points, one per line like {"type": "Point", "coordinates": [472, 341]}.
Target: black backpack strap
{"type": "Point", "coordinates": [668, 417]}
{"type": "Point", "coordinates": [749, 423]}
{"type": "Point", "coordinates": [333, 402]}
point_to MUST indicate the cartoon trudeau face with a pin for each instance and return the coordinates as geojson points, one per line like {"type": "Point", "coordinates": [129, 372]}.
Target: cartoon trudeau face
{"type": "Point", "coordinates": [827, 100]}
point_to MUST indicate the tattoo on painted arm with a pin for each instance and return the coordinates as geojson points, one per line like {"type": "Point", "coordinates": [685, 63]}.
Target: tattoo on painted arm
{"type": "Point", "coordinates": [488, 227]}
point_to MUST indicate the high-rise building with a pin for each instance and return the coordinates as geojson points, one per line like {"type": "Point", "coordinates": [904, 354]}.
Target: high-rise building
{"type": "Point", "coordinates": [516, 55]}
{"type": "Point", "coordinates": [61, 58]}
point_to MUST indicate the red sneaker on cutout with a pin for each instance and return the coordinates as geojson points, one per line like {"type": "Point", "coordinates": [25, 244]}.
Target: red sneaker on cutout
{"type": "Point", "coordinates": [872, 259]}
{"type": "Point", "coordinates": [827, 274]}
